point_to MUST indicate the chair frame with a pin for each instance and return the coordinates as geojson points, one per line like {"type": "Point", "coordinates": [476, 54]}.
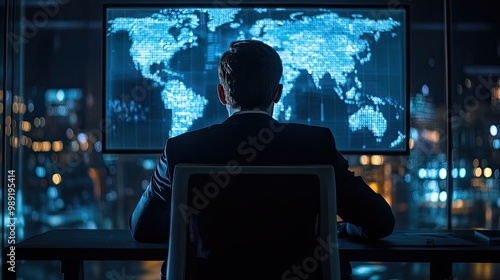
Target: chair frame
{"type": "Point", "coordinates": [176, 262]}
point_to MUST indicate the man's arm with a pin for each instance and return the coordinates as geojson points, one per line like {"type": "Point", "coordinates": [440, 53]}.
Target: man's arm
{"type": "Point", "coordinates": [150, 221]}
{"type": "Point", "coordinates": [366, 213]}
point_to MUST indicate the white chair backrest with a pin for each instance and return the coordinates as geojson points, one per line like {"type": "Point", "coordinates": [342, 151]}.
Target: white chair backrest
{"type": "Point", "coordinates": [182, 209]}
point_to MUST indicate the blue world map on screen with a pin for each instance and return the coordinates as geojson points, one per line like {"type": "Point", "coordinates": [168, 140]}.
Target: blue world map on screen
{"type": "Point", "coordinates": [343, 69]}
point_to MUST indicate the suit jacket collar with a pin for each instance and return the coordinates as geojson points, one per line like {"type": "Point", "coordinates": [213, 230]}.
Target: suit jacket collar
{"type": "Point", "coordinates": [248, 118]}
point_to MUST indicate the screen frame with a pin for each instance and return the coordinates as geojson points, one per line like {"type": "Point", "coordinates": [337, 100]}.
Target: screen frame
{"type": "Point", "coordinates": [389, 6]}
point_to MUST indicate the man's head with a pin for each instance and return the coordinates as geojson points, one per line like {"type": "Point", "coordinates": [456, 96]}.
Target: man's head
{"type": "Point", "coordinates": [249, 73]}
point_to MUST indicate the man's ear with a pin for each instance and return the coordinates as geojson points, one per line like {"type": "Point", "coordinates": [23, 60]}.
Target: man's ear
{"type": "Point", "coordinates": [221, 94]}
{"type": "Point", "coordinates": [277, 95]}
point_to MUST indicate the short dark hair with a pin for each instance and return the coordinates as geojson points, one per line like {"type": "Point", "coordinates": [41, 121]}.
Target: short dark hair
{"type": "Point", "coordinates": [250, 72]}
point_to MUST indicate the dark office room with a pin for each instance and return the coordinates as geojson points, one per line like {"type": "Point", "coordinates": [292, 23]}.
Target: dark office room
{"type": "Point", "coordinates": [99, 98]}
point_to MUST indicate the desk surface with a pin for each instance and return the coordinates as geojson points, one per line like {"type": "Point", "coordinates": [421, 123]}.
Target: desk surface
{"type": "Point", "coordinates": [423, 246]}
{"type": "Point", "coordinates": [79, 244]}
{"type": "Point", "coordinates": [401, 246]}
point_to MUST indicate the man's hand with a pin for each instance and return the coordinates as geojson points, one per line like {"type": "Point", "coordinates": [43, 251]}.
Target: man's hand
{"type": "Point", "coordinates": [348, 230]}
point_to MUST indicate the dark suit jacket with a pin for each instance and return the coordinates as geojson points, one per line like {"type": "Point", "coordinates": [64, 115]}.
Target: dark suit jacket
{"type": "Point", "coordinates": [256, 138]}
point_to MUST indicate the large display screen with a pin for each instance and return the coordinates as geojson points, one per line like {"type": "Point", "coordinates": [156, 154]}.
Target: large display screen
{"type": "Point", "coordinates": [344, 68]}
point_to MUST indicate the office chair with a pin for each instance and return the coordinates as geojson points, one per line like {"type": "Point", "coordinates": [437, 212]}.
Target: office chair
{"type": "Point", "coordinates": [253, 222]}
